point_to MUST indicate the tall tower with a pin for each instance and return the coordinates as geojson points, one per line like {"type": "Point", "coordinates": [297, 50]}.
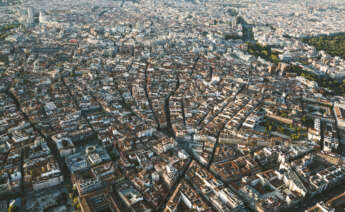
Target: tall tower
{"type": "Point", "coordinates": [42, 18]}
{"type": "Point", "coordinates": [234, 22]}
{"type": "Point", "coordinates": [30, 17]}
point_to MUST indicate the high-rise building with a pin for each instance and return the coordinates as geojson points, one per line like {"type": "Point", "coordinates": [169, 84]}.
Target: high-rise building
{"type": "Point", "coordinates": [43, 18]}
{"type": "Point", "coordinates": [234, 22]}
{"type": "Point", "coordinates": [30, 17]}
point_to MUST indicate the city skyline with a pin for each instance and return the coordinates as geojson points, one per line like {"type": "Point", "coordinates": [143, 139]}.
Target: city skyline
{"type": "Point", "coordinates": [188, 105]}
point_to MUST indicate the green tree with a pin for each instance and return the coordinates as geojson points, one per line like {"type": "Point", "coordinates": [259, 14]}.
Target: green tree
{"type": "Point", "coordinates": [264, 52]}
{"type": "Point", "coordinates": [75, 200]}
{"type": "Point", "coordinates": [274, 58]}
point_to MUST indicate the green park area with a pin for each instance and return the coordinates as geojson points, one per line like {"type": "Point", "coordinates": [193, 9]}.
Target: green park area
{"type": "Point", "coordinates": [336, 87]}
{"type": "Point", "coordinates": [294, 132]}
{"type": "Point", "coordinates": [333, 44]}
{"type": "Point", "coordinates": [259, 50]}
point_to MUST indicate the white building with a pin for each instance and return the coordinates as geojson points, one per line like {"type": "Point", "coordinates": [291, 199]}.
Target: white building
{"type": "Point", "coordinates": [30, 17]}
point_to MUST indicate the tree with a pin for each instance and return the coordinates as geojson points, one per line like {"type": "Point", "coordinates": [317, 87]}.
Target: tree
{"type": "Point", "coordinates": [75, 200]}
{"type": "Point", "coordinates": [264, 52]}
{"type": "Point", "coordinates": [303, 118]}
{"type": "Point", "coordinates": [279, 128]}
{"type": "Point", "coordinates": [274, 58]}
